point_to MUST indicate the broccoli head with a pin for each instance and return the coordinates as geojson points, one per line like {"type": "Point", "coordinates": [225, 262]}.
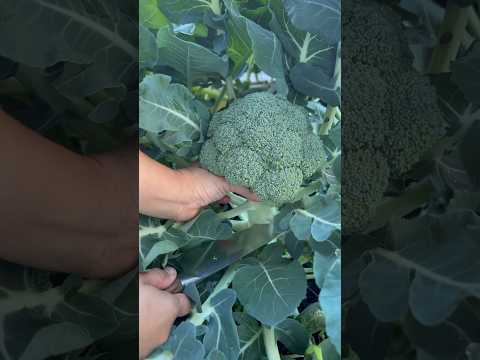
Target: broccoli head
{"type": "Point", "coordinates": [263, 142]}
{"type": "Point", "coordinates": [390, 112]}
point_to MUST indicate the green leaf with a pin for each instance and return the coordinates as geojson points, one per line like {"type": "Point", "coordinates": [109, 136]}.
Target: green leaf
{"type": "Point", "coordinates": [251, 340]}
{"type": "Point", "coordinates": [150, 15]}
{"type": "Point", "coordinates": [320, 17]}
{"type": "Point", "coordinates": [270, 287]}
{"type": "Point", "coordinates": [294, 246]}
{"type": "Point", "coordinates": [390, 283]}
{"type": "Point", "coordinates": [319, 220]}
{"type": "Point", "coordinates": [329, 352]}
{"type": "Point", "coordinates": [193, 61]}
{"type": "Point", "coordinates": [466, 73]}
{"type": "Point", "coordinates": [148, 51]}
{"type": "Point", "coordinates": [322, 263]}
{"type": "Point", "coordinates": [293, 335]}
{"type": "Point", "coordinates": [221, 331]}
{"type": "Point", "coordinates": [330, 301]}
{"type": "Point", "coordinates": [182, 344]}
{"type": "Point", "coordinates": [216, 355]}
{"type": "Point", "coordinates": [207, 226]}
{"type": "Point", "coordinates": [312, 318]}
{"type": "Point", "coordinates": [168, 107]}
{"type": "Point", "coordinates": [156, 240]}
{"type": "Point", "coordinates": [302, 46]}
{"type": "Point", "coordinates": [185, 11]}
{"type": "Point", "coordinates": [100, 36]}
{"type": "Point", "coordinates": [313, 81]}
{"type": "Point", "coordinates": [265, 46]}
{"type": "Point", "coordinates": [91, 34]}
{"type": "Point", "coordinates": [56, 339]}
{"type": "Point", "coordinates": [452, 270]}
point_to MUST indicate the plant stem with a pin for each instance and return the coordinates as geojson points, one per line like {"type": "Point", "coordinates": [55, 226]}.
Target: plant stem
{"type": "Point", "coordinates": [270, 343]}
{"type": "Point", "coordinates": [315, 351]}
{"type": "Point", "coordinates": [219, 100]}
{"type": "Point", "coordinates": [197, 318]}
{"type": "Point", "coordinates": [216, 7]}
{"type": "Point", "coordinates": [209, 92]}
{"type": "Point", "coordinates": [451, 35]}
{"type": "Point", "coordinates": [314, 186]}
{"type": "Point", "coordinates": [397, 207]}
{"type": "Point", "coordinates": [230, 88]}
{"type": "Point", "coordinates": [238, 210]}
{"type": "Point", "coordinates": [329, 120]}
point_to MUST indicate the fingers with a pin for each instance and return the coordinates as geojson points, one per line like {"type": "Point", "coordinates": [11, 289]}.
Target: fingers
{"type": "Point", "coordinates": [182, 304]}
{"type": "Point", "coordinates": [224, 200]}
{"type": "Point", "coordinates": [158, 278]}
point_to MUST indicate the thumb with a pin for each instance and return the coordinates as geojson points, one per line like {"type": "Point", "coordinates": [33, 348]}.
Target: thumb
{"type": "Point", "coordinates": [158, 278]}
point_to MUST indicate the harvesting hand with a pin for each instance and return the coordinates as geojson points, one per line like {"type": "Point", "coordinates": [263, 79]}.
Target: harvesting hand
{"type": "Point", "coordinates": [180, 194]}
{"type": "Point", "coordinates": [62, 211]}
{"type": "Point", "coordinates": [158, 308]}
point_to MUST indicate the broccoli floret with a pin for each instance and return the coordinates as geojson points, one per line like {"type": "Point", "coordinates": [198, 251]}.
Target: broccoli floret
{"type": "Point", "coordinates": [266, 143]}
{"type": "Point", "coordinates": [373, 32]}
{"type": "Point", "coordinates": [226, 138]}
{"type": "Point", "coordinates": [279, 186]}
{"type": "Point", "coordinates": [364, 111]}
{"type": "Point", "coordinates": [314, 157]}
{"type": "Point", "coordinates": [243, 167]}
{"type": "Point", "coordinates": [209, 154]}
{"type": "Point", "coordinates": [366, 174]}
{"type": "Point", "coordinates": [416, 123]}
{"type": "Point", "coordinates": [391, 115]}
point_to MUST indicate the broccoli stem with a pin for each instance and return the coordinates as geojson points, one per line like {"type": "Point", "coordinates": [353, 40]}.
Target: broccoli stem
{"type": "Point", "coordinates": [315, 351]}
{"type": "Point", "coordinates": [474, 22]}
{"type": "Point", "coordinates": [219, 100]}
{"type": "Point", "coordinates": [216, 7]}
{"type": "Point", "coordinates": [310, 189]}
{"type": "Point", "coordinates": [270, 341]}
{"type": "Point", "coordinates": [230, 88]}
{"type": "Point", "coordinates": [238, 210]}
{"type": "Point", "coordinates": [398, 207]}
{"type": "Point", "coordinates": [207, 92]}
{"type": "Point", "coordinates": [329, 120]}
{"type": "Point", "coordinates": [451, 36]}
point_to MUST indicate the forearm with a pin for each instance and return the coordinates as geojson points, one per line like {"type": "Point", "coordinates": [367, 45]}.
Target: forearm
{"type": "Point", "coordinates": [55, 204]}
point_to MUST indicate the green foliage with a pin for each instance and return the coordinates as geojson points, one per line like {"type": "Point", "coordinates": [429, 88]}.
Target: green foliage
{"type": "Point", "coordinates": [265, 143]}
{"type": "Point", "coordinates": [224, 98]}
{"type": "Point", "coordinates": [69, 71]}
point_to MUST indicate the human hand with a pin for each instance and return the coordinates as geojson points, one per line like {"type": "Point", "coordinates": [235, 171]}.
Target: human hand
{"type": "Point", "coordinates": [204, 188]}
{"type": "Point", "coordinates": [180, 194]}
{"type": "Point", "coordinates": [158, 309]}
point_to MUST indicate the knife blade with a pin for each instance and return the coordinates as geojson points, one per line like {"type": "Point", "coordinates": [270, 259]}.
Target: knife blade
{"type": "Point", "coordinates": [210, 257]}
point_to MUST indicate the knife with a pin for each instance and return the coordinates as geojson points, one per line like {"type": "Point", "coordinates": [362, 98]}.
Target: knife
{"type": "Point", "coordinates": [210, 257]}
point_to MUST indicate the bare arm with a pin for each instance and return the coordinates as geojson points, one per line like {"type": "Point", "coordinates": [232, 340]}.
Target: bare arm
{"type": "Point", "coordinates": [62, 211]}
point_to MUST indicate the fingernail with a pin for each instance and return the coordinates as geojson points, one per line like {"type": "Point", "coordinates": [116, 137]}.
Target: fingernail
{"type": "Point", "coordinates": [171, 271]}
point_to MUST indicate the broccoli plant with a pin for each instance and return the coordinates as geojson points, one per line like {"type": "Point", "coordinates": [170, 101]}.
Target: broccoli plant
{"type": "Point", "coordinates": [410, 206]}
{"type": "Point", "coordinates": [391, 115]}
{"type": "Point", "coordinates": [249, 91]}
